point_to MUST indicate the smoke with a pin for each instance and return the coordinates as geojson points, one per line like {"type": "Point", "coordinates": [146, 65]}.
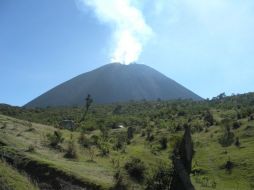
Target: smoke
{"type": "Point", "coordinates": [130, 30]}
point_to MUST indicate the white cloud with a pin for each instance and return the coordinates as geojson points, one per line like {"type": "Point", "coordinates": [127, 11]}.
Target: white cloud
{"type": "Point", "coordinates": [131, 32]}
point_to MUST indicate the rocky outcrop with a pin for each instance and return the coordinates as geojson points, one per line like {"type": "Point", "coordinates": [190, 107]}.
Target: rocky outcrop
{"type": "Point", "coordinates": [182, 159]}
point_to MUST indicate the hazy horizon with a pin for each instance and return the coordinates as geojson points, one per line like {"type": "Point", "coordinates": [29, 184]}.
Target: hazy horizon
{"type": "Point", "coordinates": [205, 46]}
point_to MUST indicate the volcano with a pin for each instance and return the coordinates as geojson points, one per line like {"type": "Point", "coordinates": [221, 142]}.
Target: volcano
{"type": "Point", "coordinates": [114, 83]}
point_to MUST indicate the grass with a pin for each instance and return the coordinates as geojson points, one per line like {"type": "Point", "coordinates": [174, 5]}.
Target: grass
{"type": "Point", "coordinates": [11, 179]}
{"type": "Point", "coordinates": [210, 155]}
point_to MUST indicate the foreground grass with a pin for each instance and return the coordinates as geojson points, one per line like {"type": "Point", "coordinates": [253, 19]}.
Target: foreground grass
{"type": "Point", "coordinates": [209, 158]}
{"type": "Point", "coordinates": [11, 179]}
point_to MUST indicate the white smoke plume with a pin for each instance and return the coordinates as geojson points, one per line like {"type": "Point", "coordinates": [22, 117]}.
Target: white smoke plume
{"type": "Point", "coordinates": [130, 30]}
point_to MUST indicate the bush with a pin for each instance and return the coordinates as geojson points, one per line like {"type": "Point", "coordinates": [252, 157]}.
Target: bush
{"type": "Point", "coordinates": [236, 125]}
{"type": "Point", "coordinates": [119, 182]}
{"type": "Point", "coordinates": [208, 118]}
{"type": "Point", "coordinates": [161, 179]}
{"type": "Point", "coordinates": [227, 138]}
{"type": "Point", "coordinates": [94, 140]}
{"type": "Point", "coordinates": [84, 141]}
{"type": "Point", "coordinates": [130, 132]}
{"type": "Point", "coordinates": [55, 139]}
{"type": "Point", "coordinates": [135, 168]}
{"type": "Point", "coordinates": [91, 152]}
{"type": "Point", "coordinates": [31, 148]}
{"type": "Point", "coordinates": [104, 148]}
{"type": "Point", "coordinates": [71, 150]}
{"type": "Point", "coordinates": [237, 142]}
{"type": "Point", "coordinates": [163, 142]}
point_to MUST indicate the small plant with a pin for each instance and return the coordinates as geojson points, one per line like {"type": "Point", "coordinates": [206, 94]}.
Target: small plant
{"type": "Point", "coordinates": [4, 125]}
{"type": "Point", "coordinates": [205, 181]}
{"type": "Point", "coordinates": [55, 139]}
{"type": "Point", "coordinates": [130, 132]}
{"type": "Point", "coordinates": [104, 132]}
{"type": "Point", "coordinates": [149, 135]}
{"type": "Point", "coordinates": [135, 168]}
{"type": "Point", "coordinates": [236, 125]}
{"type": "Point", "coordinates": [84, 141]}
{"type": "Point", "coordinates": [31, 148]}
{"type": "Point", "coordinates": [72, 149]}
{"type": "Point", "coordinates": [237, 142]}
{"type": "Point", "coordinates": [163, 142]}
{"type": "Point", "coordinates": [208, 118]}
{"type": "Point", "coordinates": [161, 179]}
{"type": "Point", "coordinates": [91, 151]}
{"type": "Point", "coordinates": [228, 166]}
{"type": "Point", "coordinates": [120, 142]}
{"type": "Point", "coordinates": [227, 137]}
{"type": "Point", "coordinates": [118, 176]}
{"type": "Point", "coordinates": [104, 149]}
{"type": "Point", "coordinates": [119, 182]}
{"type": "Point", "coordinates": [94, 140]}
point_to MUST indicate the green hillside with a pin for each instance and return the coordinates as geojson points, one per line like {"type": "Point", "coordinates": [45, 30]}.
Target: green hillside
{"type": "Point", "coordinates": [97, 151]}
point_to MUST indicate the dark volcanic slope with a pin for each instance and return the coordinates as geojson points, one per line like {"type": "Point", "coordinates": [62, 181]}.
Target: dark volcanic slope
{"type": "Point", "coordinates": [114, 83]}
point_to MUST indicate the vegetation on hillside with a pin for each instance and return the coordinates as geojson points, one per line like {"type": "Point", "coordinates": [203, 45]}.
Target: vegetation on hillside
{"type": "Point", "coordinates": [125, 145]}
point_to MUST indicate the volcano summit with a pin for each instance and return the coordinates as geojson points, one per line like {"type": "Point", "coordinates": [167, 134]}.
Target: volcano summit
{"type": "Point", "coordinates": [114, 83]}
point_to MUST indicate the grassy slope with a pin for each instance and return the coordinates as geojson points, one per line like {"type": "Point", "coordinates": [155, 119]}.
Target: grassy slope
{"type": "Point", "coordinates": [12, 180]}
{"type": "Point", "coordinates": [16, 134]}
{"type": "Point", "coordinates": [210, 156]}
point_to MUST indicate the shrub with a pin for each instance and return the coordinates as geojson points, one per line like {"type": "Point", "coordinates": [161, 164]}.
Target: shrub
{"type": "Point", "coordinates": [55, 139]}
{"type": "Point", "coordinates": [236, 125]}
{"type": "Point", "coordinates": [71, 150]}
{"type": "Point", "coordinates": [83, 140]}
{"type": "Point", "coordinates": [119, 144]}
{"type": "Point", "coordinates": [130, 132]}
{"type": "Point", "coordinates": [229, 166]}
{"type": "Point", "coordinates": [227, 137]}
{"type": "Point", "coordinates": [104, 149]}
{"type": "Point", "coordinates": [91, 151]}
{"type": "Point", "coordinates": [120, 141]}
{"type": "Point", "coordinates": [119, 182]}
{"type": "Point", "coordinates": [31, 148]}
{"type": "Point", "coordinates": [208, 118]}
{"type": "Point", "coordinates": [94, 140]}
{"type": "Point", "coordinates": [237, 142]}
{"type": "Point", "coordinates": [161, 179]}
{"type": "Point", "coordinates": [104, 132]}
{"type": "Point", "coordinates": [163, 142]}
{"type": "Point", "coordinates": [135, 168]}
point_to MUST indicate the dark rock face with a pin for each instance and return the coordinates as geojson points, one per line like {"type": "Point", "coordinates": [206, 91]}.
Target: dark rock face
{"type": "Point", "coordinates": [182, 160]}
{"type": "Point", "coordinates": [114, 83]}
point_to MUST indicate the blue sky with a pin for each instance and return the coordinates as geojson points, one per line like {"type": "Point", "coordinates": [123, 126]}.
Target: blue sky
{"type": "Point", "coordinates": [207, 46]}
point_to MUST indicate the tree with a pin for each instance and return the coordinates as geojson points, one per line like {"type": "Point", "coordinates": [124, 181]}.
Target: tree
{"type": "Point", "coordinates": [89, 102]}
